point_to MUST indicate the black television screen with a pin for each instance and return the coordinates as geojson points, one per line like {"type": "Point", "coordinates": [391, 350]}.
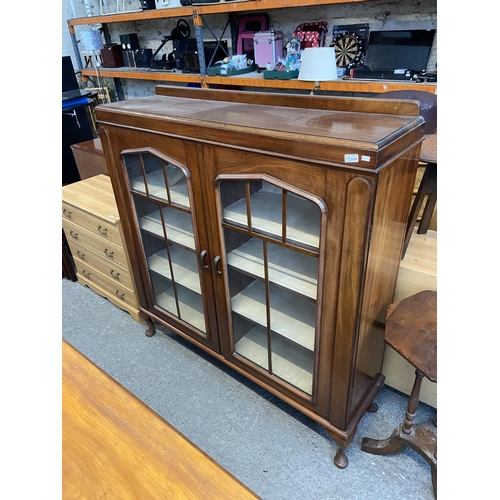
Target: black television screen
{"type": "Point", "coordinates": [400, 49]}
{"type": "Point", "coordinates": [69, 81]}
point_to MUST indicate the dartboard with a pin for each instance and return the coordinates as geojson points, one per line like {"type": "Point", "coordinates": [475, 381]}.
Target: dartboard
{"type": "Point", "coordinates": [349, 49]}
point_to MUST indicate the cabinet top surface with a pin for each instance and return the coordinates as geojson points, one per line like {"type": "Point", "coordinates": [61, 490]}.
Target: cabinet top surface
{"type": "Point", "coordinates": [94, 195]}
{"type": "Point", "coordinates": [367, 130]}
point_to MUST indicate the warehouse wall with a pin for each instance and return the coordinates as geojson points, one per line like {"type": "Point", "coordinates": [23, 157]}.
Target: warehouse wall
{"type": "Point", "coordinates": [380, 15]}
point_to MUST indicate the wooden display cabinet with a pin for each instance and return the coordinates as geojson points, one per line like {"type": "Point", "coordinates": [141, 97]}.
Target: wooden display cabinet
{"type": "Point", "coordinates": [269, 233]}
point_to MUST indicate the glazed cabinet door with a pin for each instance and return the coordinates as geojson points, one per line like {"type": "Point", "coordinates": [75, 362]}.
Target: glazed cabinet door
{"type": "Point", "coordinates": [162, 197]}
{"type": "Point", "coordinates": [271, 233]}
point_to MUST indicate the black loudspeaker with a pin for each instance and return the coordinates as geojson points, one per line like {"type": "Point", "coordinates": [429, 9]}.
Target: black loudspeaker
{"type": "Point", "coordinates": [130, 41]}
{"type": "Point", "coordinates": [129, 58]}
{"type": "Point", "coordinates": [148, 4]}
{"type": "Point", "coordinates": [143, 58]}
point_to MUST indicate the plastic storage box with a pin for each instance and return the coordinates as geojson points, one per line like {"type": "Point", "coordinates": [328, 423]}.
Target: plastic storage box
{"type": "Point", "coordinates": [268, 47]}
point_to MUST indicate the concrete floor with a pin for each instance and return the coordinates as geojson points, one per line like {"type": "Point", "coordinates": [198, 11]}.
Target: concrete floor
{"type": "Point", "coordinates": [272, 448]}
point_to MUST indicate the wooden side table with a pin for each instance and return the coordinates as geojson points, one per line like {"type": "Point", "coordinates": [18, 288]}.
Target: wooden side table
{"type": "Point", "coordinates": [427, 187]}
{"type": "Point", "coordinates": [411, 330]}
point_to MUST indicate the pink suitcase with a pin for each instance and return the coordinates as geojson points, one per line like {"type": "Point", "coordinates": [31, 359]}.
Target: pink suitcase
{"type": "Point", "coordinates": [268, 47]}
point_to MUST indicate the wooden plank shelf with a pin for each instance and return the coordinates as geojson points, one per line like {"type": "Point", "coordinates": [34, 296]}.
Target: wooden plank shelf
{"type": "Point", "coordinates": [197, 10]}
{"type": "Point", "coordinates": [291, 316]}
{"type": "Point", "coordinates": [176, 223]}
{"type": "Point", "coordinates": [258, 80]}
{"type": "Point", "coordinates": [294, 271]}
{"type": "Point", "coordinates": [291, 364]}
{"type": "Point", "coordinates": [184, 267]}
{"type": "Point", "coordinates": [344, 84]}
{"type": "Point", "coordinates": [303, 218]}
{"type": "Point", "coordinates": [156, 186]}
{"type": "Point", "coordinates": [190, 305]}
{"type": "Point", "coordinates": [142, 74]}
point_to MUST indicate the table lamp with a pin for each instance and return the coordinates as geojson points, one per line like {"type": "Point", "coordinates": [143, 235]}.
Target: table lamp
{"type": "Point", "coordinates": [318, 65]}
{"type": "Point", "coordinates": [91, 41]}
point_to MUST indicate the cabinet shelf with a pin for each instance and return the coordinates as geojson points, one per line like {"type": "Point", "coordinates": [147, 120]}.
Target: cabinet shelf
{"type": "Point", "coordinates": [176, 223]}
{"type": "Point", "coordinates": [190, 305]}
{"type": "Point", "coordinates": [294, 365]}
{"type": "Point", "coordinates": [156, 186]}
{"type": "Point", "coordinates": [291, 316]}
{"type": "Point", "coordinates": [184, 267]}
{"type": "Point", "coordinates": [303, 223]}
{"type": "Point", "coordinates": [294, 271]}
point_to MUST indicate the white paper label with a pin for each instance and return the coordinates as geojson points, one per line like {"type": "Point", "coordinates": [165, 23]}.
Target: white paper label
{"type": "Point", "coordinates": [351, 158]}
{"type": "Point", "coordinates": [365, 158]}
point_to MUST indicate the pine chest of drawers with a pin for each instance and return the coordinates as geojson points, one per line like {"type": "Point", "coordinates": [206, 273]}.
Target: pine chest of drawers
{"type": "Point", "coordinates": [92, 226]}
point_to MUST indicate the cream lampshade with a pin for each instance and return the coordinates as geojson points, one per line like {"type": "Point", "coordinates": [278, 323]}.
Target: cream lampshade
{"type": "Point", "coordinates": [318, 65]}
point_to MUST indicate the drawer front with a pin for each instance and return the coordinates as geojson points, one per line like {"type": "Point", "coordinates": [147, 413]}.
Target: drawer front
{"type": "Point", "coordinates": [119, 274]}
{"type": "Point", "coordinates": [107, 283]}
{"type": "Point", "coordinates": [110, 251]}
{"type": "Point", "coordinates": [99, 225]}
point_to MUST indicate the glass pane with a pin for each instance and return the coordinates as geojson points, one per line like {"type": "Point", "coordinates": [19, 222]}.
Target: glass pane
{"type": "Point", "coordinates": [148, 214]}
{"type": "Point", "coordinates": [249, 329]}
{"type": "Point", "coordinates": [266, 211]}
{"type": "Point", "coordinates": [292, 363]}
{"type": "Point", "coordinates": [155, 178]}
{"type": "Point", "coordinates": [156, 254]}
{"type": "Point", "coordinates": [164, 293]}
{"type": "Point", "coordinates": [191, 308]}
{"type": "Point", "coordinates": [234, 205]}
{"type": "Point", "coordinates": [177, 184]}
{"type": "Point", "coordinates": [179, 227]}
{"type": "Point", "coordinates": [184, 267]}
{"type": "Point", "coordinates": [251, 341]}
{"type": "Point", "coordinates": [134, 171]}
{"type": "Point", "coordinates": [303, 218]}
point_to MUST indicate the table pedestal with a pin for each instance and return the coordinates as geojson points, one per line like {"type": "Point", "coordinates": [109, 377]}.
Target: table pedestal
{"type": "Point", "coordinates": [421, 437]}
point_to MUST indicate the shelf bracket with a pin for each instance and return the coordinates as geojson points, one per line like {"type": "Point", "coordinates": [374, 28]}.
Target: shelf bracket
{"type": "Point", "coordinates": [198, 26]}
